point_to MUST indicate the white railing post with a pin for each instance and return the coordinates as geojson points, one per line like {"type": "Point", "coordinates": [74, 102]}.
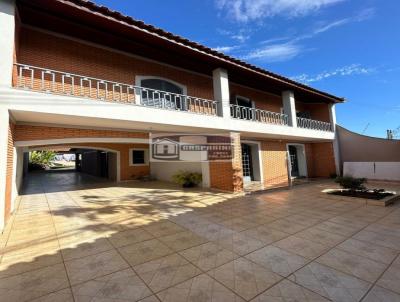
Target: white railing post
{"type": "Point", "coordinates": [289, 107]}
{"type": "Point", "coordinates": [221, 92]}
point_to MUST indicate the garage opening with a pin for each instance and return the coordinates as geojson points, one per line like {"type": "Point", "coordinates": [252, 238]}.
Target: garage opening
{"type": "Point", "coordinates": [67, 165]}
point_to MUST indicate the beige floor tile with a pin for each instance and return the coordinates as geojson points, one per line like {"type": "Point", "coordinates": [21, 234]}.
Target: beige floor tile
{"type": "Point", "coordinates": [163, 228]}
{"type": "Point", "coordinates": [265, 234]}
{"type": "Point", "coordinates": [90, 267]}
{"type": "Point", "coordinates": [64, 295]}
{"type": "Point", "coordinates": [165, 272]}
{"type": "Point", "coordinates": [337, 228]}
{"type": "Point", "coordinates": [358, 266]}
{"type": "Point", "coordinates": [303, 247]}
{"type": "Point", "coordinates": [330, 283]}
{"type": "Point", "coordinates": [306, 220]}
{"type": "Point", "coordinates": [277, 260]}
{"type": "Point", "coordinates": [239, 224]}
{"type": "Point", "coordinates": [287, 291]}
{"type": "Point", "coordinates": [150, 299]}
{"type": "Point", "coordinates": [211, 231]}
{"type": "Point", "coordinates": [260, 217]}
{"type": "Point", "coordinates": [379, 239]}
{"type": "Point", "coordinates": [200, 288]}
{"type": "Point", "coordinates": [124, 238]}
{"type": "Point", "coordinates": [384, 229]}
{"type": "Point", "coordinates": [17, 263]}
{"type": "Point", "coordinates": [74, 251]}
{"type": "Point", "coordinates": [34, 284]}
{"type": "Point", "coordinates": [244, 277]}
{"type": "Point", "coordinates": [379, 294]}
{"type": "Point", "coordinates": [320, 236]}
{"type": "Point", "coordinates": [286, 226]}
{"type": "Point", "coordinates": [145, 251]}
{"type": "Point", "coordinates": [391, 278]}
{"type": "Point", "coordinates": [240, 243]}
{"type": "Point", "coordinates": [208, 256]}
{"type": "Point", "coordinates": [182, 240]}
{"type": "Point", "coordinates": [124, 285]}
{"type": "Point", "coordinates": [368, 250]}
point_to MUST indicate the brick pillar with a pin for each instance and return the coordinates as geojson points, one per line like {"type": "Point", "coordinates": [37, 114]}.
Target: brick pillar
{"type": "Point", "coordinates": [228, 175]}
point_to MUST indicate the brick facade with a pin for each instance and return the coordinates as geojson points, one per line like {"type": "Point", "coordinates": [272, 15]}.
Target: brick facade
{"type": "Point", "coordinates": [9, 171]}
{"type": "Point", "coordinates": [274, 163]}
{"type": "Point", "coordinates": [48, 51]}
{"type": "Point", "coordinates": [228, 176]}
{"type": "Point", "coordinates": [320, 159]}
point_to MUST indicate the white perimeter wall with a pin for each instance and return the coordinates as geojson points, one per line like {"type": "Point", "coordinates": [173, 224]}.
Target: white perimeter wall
{"type": "Point", "coordinates": [373, 170]}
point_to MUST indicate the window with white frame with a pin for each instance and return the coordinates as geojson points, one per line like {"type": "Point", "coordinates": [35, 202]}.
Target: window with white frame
{"type": "Point", "coordinates": [162, 93]}
{"type": "Point", "coordinates": [138, 157]}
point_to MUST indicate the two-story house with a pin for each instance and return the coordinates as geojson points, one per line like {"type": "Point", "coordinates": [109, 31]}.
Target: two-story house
{"type": "Point", "coordinates": [79, 76]}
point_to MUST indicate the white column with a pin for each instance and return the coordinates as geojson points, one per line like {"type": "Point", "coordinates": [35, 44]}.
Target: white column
{"type": "Point", "coordinates": [7, 34]}
{"type": "Point", "coordinates": [336, 147]}
{"type": "Point", "coordinates": [221, 92]}
{"type": "Point", "coordinates": [4, 122]}
{"type": "Point", "coordinates": [289, 107]}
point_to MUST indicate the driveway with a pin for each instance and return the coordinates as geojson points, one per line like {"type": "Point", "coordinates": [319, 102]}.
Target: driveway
{"type": "Point", "coordinates": [74, 238]}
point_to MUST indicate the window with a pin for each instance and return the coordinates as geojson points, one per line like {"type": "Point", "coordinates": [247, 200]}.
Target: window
{"type": "Point", "coordinates": [244, 108]}
{"type": "Point", "coordinates": [138, 157]}
{"type": "Point", "coordinates": [159, 98]}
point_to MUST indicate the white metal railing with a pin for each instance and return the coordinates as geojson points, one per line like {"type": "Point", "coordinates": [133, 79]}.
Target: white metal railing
{"type": "Point", "coordinates": [258, 115]}
{"type": "Point", "coordinates": [64, 83]}
{"type": "Point", "coordinates": [313, 124]}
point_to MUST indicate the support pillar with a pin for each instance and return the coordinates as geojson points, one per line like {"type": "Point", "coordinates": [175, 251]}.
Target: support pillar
{"type": "Point", "coordinates": [7, 37]}
{"type": "Point", "coordinates": [221, 92]}
{"type": "Point", "coordinates": [289, 107]}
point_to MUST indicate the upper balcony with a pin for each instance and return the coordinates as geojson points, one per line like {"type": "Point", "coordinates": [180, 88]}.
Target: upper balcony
{"type": "Point", "coordinates": [48, 81]}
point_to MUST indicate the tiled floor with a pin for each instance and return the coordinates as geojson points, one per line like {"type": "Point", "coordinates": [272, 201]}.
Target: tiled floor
{"type": "Point", "coordinates": [75, 238]}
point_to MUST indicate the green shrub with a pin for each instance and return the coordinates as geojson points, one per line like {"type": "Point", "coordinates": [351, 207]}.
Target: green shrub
{"type": "Point", "coordinates": [351, 183]}
{"type": "Point", "coordinates": [187, 179]}
{"type": "Point", "coordinates": [40, 160]}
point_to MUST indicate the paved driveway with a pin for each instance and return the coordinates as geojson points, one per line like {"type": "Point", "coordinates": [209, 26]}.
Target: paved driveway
{"type": "Point", "coordinates": [75, 239]}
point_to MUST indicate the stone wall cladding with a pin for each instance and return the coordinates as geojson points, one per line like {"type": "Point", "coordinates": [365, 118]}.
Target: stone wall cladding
{"type": "Point", "coordinates": [9, 171]}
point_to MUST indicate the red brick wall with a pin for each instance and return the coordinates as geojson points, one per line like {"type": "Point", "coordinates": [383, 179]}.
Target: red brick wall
{"type": "Point", "coordinates": [318, 112]}
{"type": "Point", "coordinates": [9, 171]}
{"type": "Point", "coordinates": [320, 159]}
{"type": "Point", "coordinates": [263, 100]}
{"type": "Point", "coordinates": [48, 51]}
{"type": "Point", "coordinates": [274, 164]}
{"type": "Point", "coordinates": [228, 176]}
{"type": "Point", "coordinates": [29, 132]}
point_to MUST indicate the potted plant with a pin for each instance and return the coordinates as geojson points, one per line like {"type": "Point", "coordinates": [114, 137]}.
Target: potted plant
{"type": "Point", "coordinates": [187, 179]}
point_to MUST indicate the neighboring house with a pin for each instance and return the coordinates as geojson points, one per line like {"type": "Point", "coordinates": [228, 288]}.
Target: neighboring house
{"type": "Point", "coordinates": [79, 75]}
{"type": "Point", "coordinates": [369, 157]}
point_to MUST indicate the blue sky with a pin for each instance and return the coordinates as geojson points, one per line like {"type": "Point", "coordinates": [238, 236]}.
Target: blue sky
{"type": "Point", "coordinates": [350, 48]}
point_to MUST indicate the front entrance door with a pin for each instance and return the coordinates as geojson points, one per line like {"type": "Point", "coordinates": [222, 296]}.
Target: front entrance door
{"type": "Point", "coordinates": [247, 163]}
{"type": "Point", "coordinates": [294, 162]}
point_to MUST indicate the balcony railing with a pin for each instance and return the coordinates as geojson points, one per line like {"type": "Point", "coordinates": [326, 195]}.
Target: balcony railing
{"type": "Point", "coordinates": [313, 124]}
{"type": "Point", "coordinates": [258, 115]}
{"type": "Point", "coordinates": [64, 83]}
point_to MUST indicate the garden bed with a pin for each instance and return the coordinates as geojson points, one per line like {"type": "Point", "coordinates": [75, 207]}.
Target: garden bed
{"type": "Point", "coordinates": [370, 197]}
{"type": "Point", "coordinates": [368, 194]}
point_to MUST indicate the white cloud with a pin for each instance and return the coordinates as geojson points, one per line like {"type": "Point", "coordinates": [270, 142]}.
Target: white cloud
{"type": "Point", "coordinates": [353, 69]}
{"type": "Point", "coordinates": [275, 52]}
{"type": "Point", "coordinates": [226, 49]}
{"type": "Point", "coordinates": [249, 10]}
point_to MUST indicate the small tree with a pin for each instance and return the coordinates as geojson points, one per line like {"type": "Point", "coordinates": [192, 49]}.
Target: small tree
{"type": "Point", "coordinates": [351, 183]}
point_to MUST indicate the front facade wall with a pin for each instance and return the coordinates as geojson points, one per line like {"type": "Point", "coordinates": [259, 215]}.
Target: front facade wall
{"type": "Point", "coordinates": [9, 171]}
{"type": "Point", "coordinates": [320, 159]}
{"type": "Point", "coordinates": [48, 51]}
{"type": "Point", "coordinates": [262, 100]}
{"type": "Point", "coordinates": [275, 171]}
{"type": "Point", "coordinates": [228, 175]}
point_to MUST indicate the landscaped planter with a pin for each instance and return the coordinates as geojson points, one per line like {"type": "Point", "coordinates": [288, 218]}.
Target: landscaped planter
{"type": "Point", "coordinates": [362, 197]}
